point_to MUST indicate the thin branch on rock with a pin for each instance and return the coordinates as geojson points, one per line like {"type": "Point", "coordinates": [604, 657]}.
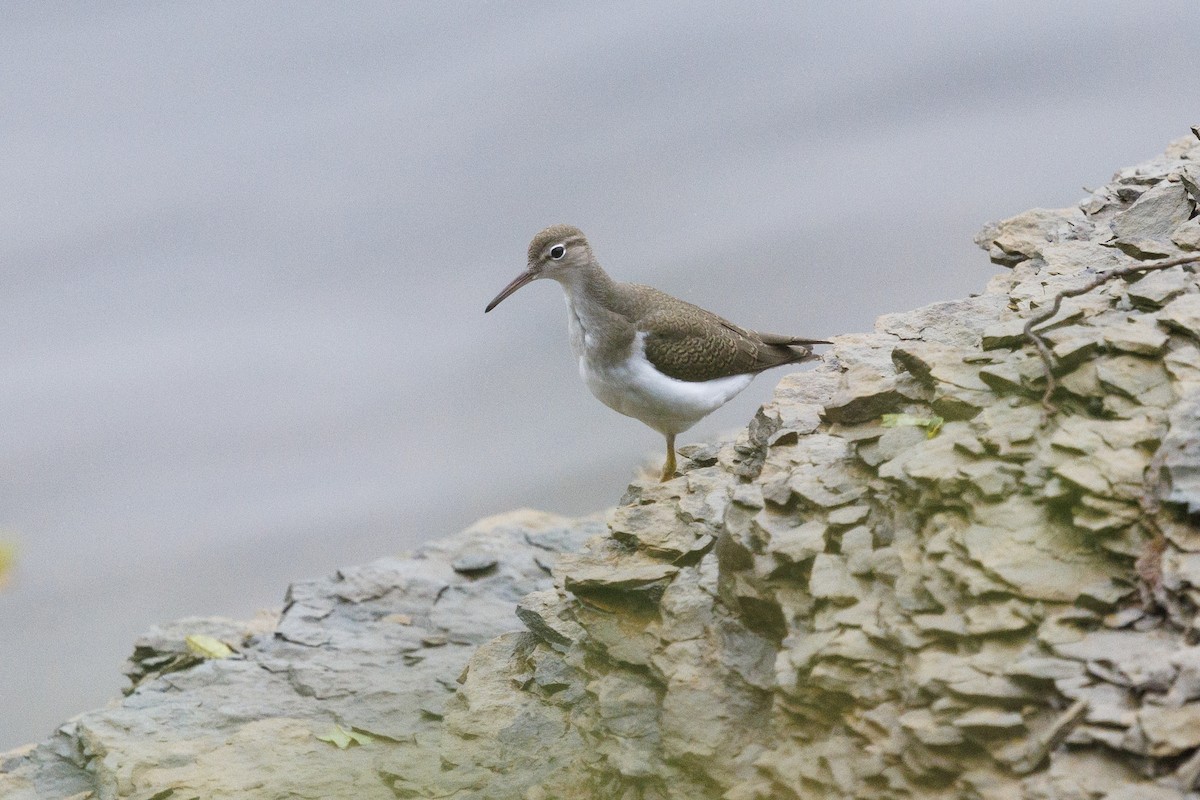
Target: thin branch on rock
{"type": "Point", "coordinates": [1101, 279]}
{"type": "Point", "coordinates": [1149, 564]}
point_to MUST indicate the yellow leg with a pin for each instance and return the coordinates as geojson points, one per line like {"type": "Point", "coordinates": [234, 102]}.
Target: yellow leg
{"type": "Point", "coordinates": [669, 467]}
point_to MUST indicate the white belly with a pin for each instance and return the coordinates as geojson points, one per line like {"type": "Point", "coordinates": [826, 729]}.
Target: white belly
{"type": "Point", "coordinates": [636, 389]}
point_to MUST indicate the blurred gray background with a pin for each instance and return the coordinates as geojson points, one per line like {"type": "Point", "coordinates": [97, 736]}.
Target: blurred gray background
{"type": "Point", "coordinates": [246, 250]}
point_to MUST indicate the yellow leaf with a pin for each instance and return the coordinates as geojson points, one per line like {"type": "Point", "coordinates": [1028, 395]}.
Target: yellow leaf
{"type": "Point", "coordinates": [361, 737]}
{"type": "Point", "coordinates": [339, 736]}
{"type": "Point", "coordinates": [344, 737]}
{"type": "Point", "coordinates": [931, 424]}
{"type": "Point", "coordinates": [207, 646]}
{"type": "Point", "coordinates": [8, 557]}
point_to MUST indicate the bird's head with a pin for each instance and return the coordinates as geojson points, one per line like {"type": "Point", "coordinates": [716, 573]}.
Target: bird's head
{"type": "Point", "coordinates": [559, 252]}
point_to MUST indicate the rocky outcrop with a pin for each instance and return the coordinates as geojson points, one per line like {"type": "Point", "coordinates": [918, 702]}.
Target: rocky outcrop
{"type": "Point", "coordinates": [905, 579]}
{"type": "Point", "coordinates": [363, 660]}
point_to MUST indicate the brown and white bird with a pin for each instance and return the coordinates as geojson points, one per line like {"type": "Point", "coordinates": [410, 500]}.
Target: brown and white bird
{"type": "Point", "coordinates": [645, 353]}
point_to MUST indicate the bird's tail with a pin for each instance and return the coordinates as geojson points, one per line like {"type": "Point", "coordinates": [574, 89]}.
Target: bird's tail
{"type": "Point", "coordinates": [775, 338]}
{"type": "Point", "coordinates": [787, 349]}
{"type": "Point", "coordinates": [799, 353]}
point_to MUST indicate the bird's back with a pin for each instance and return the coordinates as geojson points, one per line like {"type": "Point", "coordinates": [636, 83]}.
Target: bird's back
{"type": "Point", "coordinates": [690, 343]}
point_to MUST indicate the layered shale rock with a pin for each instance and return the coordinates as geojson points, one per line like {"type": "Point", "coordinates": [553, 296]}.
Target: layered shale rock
{"type": "Point", "coordinates": [905, 579]}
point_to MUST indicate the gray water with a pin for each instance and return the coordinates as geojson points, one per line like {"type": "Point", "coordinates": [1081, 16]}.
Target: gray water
{"type": "Point", "coordinates": [246, 248]}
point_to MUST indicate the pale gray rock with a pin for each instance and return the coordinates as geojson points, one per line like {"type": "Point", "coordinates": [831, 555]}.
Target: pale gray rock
{"type": "Point", "coordinates": [662, 529]}
{"type": "Point", "coordinates": [1181, 452]}
{"type": "Point", "coordinates": [541, 613]}
{"type": "Point", "coordinates": [606, 571]}
{"type": "Point", "coordinates": [1026, 235]}
{"type": "Point", "coordinates": [362, 649]}
{"type": "Point", "coordinates": [1136, 337]}
{"type": "Point", "coordinates": [1183, 314]}
{"type": "Point", "coordinates": [1156, 289]}
{"type": "Point", "coordinates": [1146, 226]}
{"type": "Point", "coordinates": [474, 563]}
{"type": "Point", "coordinates": [1187, 235]}
{"type": "Point", "coordinates": [1006, 333]}
{"type": "Point", "coordinates": [986, 720]}
{"type": "Point", "coordinates": [866, 396]}
{"type": "Point", "coordinates": [1171, 731]}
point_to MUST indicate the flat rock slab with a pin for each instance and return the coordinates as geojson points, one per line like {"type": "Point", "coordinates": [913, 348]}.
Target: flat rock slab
{"type": "Point", "coordinates": [1181, 452]}
{"type": "Point", "coordinates": [363, 650]}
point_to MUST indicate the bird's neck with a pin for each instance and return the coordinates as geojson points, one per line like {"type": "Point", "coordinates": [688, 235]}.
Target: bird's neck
{"type": "Point", "coordinates": [590, 287]}
{"type": "Point", "coordinates": [600, 333]}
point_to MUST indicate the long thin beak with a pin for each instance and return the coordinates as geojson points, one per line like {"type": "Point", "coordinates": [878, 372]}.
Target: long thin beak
{"type": "Point", "coordinates": [519, 281]}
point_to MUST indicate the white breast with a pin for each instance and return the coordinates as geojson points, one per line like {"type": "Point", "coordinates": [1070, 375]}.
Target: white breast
{"type": "Point", "coordinates": [635, 388]}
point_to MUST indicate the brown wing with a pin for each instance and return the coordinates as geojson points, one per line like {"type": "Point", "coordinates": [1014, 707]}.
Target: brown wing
{"type": "Point", "coordinates": [691, 344]}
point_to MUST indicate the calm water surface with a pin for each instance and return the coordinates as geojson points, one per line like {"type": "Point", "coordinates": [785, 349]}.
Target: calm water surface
{"type": "Point", "coordinates": [245, 252]}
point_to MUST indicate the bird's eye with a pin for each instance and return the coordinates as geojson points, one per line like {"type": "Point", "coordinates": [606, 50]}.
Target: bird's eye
{"type": "Point", "coordinates": [557, 252]}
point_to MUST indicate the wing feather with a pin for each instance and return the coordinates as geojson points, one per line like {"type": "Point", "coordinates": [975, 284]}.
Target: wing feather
{"type": "Point", "coordinates": [689, 343]}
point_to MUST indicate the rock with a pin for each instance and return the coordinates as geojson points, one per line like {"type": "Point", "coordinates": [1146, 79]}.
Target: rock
{"type": "Point", "coordinates": [848, 515]}
{"type": "Point", "coordinates": [831, 579]}
{"type": "Point", "coordinates": [1025, 235]}
{"type": "Point", "coordinates": [585, 574]}
{"type": "Point", "coordinates": [792, 543]}
{"type": "Point", "coordinates": [1021, 374]}
{"type": "Point", "coordinates": [702, 454]}
{"type": "Point", "coordinates": [1138, 338]}
{"type": "Point", "coordinates": [1181, 452]}
{"type": "Point", "coordinates": [983, 599]}
{"type": "Point", "coordinates": [1155, 289]}
{"type": "Point", "coordinates": [1127, 658]}
{"type": "Point", "coordinates": [924, 726]}
{"type": "Point", "coordinates": [1146, 227]}
{"type": "Point", "coordinates": [1045, 669]}
{"type": "Point", "coordinates": [474, 563]}
{"type": "Point", "coordinates": [1187, 235]}
{"type": "Point", "coordinates": [1171, 731]}
{"type": "Point", "coordinates": [660, 530]}
{"type": "Point", "coordinates": [1007, 333]}
{"type": "Point", "coordinates": [339, 654]}
{"type": "Point", "coordinates": [1143, 791]}
{"type": "Point", "coordinates": [1137, 378]}
{"type": "Point", "coordinates": [866, 397]}
{"type": "Point", "coordinates": [1183, 314]}
{"type": "Point", "coordinates": [988, 720]}
{"type": "Point", "coordinates": [1027, 549]}
{"type": "Point", "coordinates": [544, 615]}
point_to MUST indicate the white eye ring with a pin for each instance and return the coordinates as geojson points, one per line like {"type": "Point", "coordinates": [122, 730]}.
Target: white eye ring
{"type": "Point", "coordinates": [557, 252]}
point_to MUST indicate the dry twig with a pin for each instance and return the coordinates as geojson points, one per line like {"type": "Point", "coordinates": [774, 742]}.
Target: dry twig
{"type": "Point", "coordinates": [1047, 313]}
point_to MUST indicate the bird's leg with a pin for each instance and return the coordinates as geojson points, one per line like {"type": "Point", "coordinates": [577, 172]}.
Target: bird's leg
{"type": "Point", "coordinates": [669, 467]}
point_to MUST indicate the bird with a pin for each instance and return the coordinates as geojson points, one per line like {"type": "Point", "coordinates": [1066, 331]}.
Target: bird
{"type": "Point", "coordinates": [644, 353]}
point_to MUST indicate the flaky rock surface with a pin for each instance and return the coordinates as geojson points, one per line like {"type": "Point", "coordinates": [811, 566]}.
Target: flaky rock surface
{"type": "Point", "coordinates": [978, 601]}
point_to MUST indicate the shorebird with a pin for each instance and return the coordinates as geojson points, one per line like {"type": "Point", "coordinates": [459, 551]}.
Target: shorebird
{"type": "Point", "coordinates": [644, 353]}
